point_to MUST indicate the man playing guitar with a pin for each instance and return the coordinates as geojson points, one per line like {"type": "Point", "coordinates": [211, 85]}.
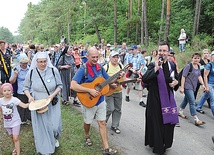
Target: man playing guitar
{"type": "Point", "coordinates": [114, 101]}
{"type": "Point", "coordinates": [98, 111]}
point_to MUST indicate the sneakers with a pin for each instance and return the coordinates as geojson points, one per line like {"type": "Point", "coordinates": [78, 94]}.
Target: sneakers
{"type": "Point", "coordinates": [144, 95]}
{"type": "Point", "coordinates": [65, 102]}
{"type": "Point", "coordinates": [56, 143]}
{"type": "Point", "coordinates": [177, 125]}
{"type": "Point", "coordinates": [109, 151]}
{"type": "Point", "coordinates": [28, 122]}
{"type": "Point", "coordinates": [116, 130]}
{"type": "Point", "coordinates": [127, 98]}
{"type": "Point", "coordinates": [75, 103]}
{"type": "Point", "coordinates": [142, 104]}
{"type": "Point", "coordinates": [22, 123]}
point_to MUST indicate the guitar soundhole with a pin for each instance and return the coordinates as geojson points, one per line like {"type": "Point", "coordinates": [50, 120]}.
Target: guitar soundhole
{"type": "Point", "coordinates": [98, 87]}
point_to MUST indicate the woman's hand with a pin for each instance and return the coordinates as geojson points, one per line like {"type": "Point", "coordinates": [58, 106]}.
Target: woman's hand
{"type": "Point", "coordinates": [51, 97]}
{"type": "Point", "coordinates": [207, 89]}
{"type": "Point", "coordinates": [31, 99]}
{"type": "Point", "coordinates": [113, 85]}
{"type": "Point", "coordinates": [181, 90]}
{"type": "Point", "coordinates": [66, 66]}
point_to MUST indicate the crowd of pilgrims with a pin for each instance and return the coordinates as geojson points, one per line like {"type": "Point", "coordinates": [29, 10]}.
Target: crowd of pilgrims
{"type": "Point", "coordinates": [72, 56]}
{"type": "Point", "coordinates": [68, 59]}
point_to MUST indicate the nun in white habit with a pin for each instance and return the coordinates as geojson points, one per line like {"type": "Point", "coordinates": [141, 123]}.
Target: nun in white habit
{"type": "Point", "coordinates": [47, 127]}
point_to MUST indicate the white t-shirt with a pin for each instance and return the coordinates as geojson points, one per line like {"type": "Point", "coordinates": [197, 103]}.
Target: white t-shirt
{"type": "Point", "coordinates": [10, 112]}
{"type": "Point", "coordinates": [182, 35]}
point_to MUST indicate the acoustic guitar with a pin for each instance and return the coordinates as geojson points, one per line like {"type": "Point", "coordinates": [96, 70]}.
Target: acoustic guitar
{"type": "Point", "coordinates": [99, 84]}
{"type": "Point", "coordinates": [118, 88]}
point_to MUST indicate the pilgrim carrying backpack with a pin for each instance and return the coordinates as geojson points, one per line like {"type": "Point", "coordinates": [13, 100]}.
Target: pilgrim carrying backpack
{"type": "Point", "coordinates": [181, 72]}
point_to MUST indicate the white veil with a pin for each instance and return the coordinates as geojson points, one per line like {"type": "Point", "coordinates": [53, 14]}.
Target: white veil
{"type": "Point", "coordinates": [40, 55]}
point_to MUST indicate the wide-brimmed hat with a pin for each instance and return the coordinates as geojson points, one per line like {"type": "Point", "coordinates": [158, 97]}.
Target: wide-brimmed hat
{"type": "Point", "coordinates": [24, 60]}
{"type": "Point", "coordinates": [40, 106]}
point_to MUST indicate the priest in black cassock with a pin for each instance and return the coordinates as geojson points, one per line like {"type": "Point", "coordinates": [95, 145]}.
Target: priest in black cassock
{"type": "Point", "coordinates": [161, 110]}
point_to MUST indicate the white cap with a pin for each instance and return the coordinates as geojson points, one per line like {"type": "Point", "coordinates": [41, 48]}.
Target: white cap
{"type": "Point", "coordinates": [212, 53]}
{"type": "Point", "coordinates": [108, 45]}
{"type": "Point", "coordinates": [113, 53]}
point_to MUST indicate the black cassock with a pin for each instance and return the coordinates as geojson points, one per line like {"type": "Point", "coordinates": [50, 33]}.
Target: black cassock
{"type": "Point", "coordinates": [157, 135]}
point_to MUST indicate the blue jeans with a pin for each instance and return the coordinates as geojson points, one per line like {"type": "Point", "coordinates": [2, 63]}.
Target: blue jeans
{"type": "Point", "coordinates": [189, 97]}
{"type": "Point", "coordinates": [182, 47]}
{"type": "Point", "coordinates": [205, 96]}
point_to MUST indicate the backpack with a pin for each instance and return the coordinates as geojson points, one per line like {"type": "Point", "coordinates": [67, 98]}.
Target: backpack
{"type": "Point", "coordinates": [181, 72]}
{"type": "Point", "coordinates": [187, 38]}
{"type": "Point", "coordinates": [86, 70]}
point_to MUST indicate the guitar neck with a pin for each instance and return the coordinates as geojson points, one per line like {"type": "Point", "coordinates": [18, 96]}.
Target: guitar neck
{"type": "Point", "coordinates": [110, 79]}
{"type": "Point", "coordinates": [127, 81]}
{"type": "Point", "coordinates": [115, 76]}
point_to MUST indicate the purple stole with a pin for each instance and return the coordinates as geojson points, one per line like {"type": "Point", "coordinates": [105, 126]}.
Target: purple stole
{"type": "Point", "coordinates": [168, 104]}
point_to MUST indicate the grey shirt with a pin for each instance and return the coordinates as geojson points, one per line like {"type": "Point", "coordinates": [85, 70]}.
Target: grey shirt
{"type": "Point", "coordinates": [191, 80]}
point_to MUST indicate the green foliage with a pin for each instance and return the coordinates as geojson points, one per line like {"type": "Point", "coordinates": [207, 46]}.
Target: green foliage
{"type": "Point", "coordinates": [47, 21]}
{"type": "Point", "coordinates": [6, 35]}
{"type": "Point", "coordinates": [202, 41]}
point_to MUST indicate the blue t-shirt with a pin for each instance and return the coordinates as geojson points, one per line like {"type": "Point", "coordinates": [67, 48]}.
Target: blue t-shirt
{"type": "Point", "coordinates": [84, 53]}
{"type": "Point", "coordinates": [211, 74]}
{"type": "Point", "coordinates": [79, 77]}
{"type": "Point", "coordinates": [20, 78]}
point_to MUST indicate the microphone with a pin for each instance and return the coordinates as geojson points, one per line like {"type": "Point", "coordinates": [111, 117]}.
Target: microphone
{"type": "Point", "coordinates": [160, 61]}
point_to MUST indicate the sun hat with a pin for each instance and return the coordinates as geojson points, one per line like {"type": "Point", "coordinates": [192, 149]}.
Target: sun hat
{"type": "Point", "coordinates": [40, 106]}
{"type": "Point", "coordinates": [24, 60]}
{"type": "Point", "coordinates": [113, 53]}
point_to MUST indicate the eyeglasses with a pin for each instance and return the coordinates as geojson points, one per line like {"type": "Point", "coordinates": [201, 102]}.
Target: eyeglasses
{"type": "Point", "coordinates": [42, 62]}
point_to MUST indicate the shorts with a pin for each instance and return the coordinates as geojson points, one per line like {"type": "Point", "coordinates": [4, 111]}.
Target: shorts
{"type": "Point", "coordinates": [97, 112]}
{"type": "Point", "coordinates": [138, 85]}
{"type": "Point", "coordinates": [14, 130]}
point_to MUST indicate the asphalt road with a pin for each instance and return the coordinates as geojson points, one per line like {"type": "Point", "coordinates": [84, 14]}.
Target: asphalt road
{"type": "Point", "coordinates": [188, 138]}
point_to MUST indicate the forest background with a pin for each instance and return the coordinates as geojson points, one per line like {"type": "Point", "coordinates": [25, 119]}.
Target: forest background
{"type": "Point", "coordinates": [144, 22]}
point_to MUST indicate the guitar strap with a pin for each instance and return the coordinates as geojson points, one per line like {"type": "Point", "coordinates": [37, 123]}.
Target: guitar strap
{"type": "Point", "coordinates": [3, 63]}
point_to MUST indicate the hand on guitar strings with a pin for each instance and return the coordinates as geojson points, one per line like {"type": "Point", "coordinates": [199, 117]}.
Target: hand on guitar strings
{"type": "Point", "coordinates": [94, 92]}
{"type": "Point", "coordinates": [121, 75]}
{"type": "Point", "coordinates": [113, 85]}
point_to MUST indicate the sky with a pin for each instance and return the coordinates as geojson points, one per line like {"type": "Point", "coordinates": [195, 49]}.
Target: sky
{"type": "Point", "coordinates": [12, 12]}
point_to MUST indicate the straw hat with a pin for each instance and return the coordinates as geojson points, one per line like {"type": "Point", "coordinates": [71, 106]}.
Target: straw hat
{"type": "Point", "coordinates": [24, 60]}
{"type": "Point", "coordinates": [40, 106]}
